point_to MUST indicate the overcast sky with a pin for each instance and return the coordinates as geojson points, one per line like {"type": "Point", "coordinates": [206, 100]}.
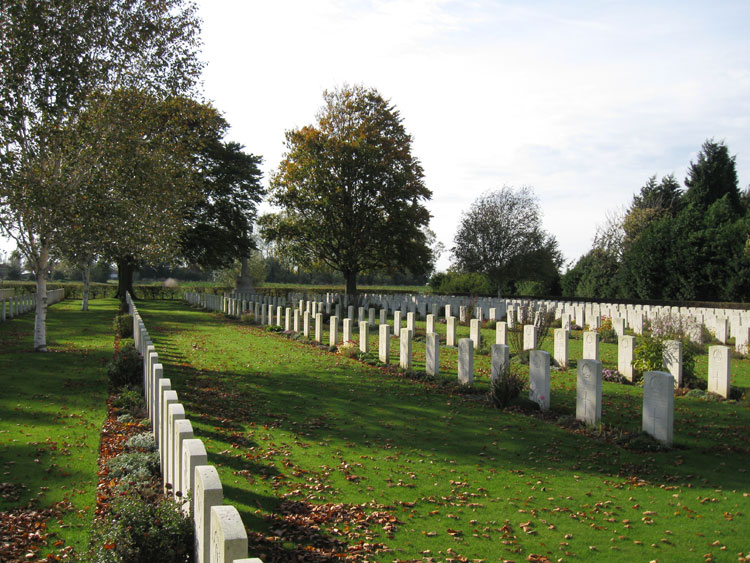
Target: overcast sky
{"type": "Point", "coordinates": [583, 101]}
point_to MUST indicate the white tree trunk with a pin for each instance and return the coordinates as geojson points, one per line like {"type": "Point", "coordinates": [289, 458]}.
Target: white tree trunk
{"type": "Point", "coordinates": [86, 278]}
{"type": "Point", "coordinates": [40, 320]}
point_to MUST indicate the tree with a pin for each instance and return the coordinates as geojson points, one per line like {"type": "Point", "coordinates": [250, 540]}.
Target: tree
{"type": "Point", "coordinates": [350, 191]}
{"type": "Point", "coordinates": [502, 236]}
{"type": "Point", "coordinates": [712, 177]}
{"type": "Point", "coordinates": [53, 54]}
{"type": "Point", "coordinates": [654, 201]}
{"type": "Point", "coordinates": [219, 230]}
{"type": "Point", "coordinates": [146, 175]}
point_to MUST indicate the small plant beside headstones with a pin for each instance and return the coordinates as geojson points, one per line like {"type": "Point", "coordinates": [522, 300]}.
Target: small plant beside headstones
{"type": "Point", "coordinates": [507, 386]}
{"type": "Point", "coordinates": [126, 367]}
{"type": "Point", "coordinates": [123, 326]}
{"type": "Point", "coordinates": [140, 523]}
{"type": "Point", "coordinates": [606, 332]}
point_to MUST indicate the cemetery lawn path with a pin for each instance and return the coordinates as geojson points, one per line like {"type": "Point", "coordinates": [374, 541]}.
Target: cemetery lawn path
{"type": "Point", "coordinates": [52, 406]}
{"type": "Point", "coordinates": [326, 455]}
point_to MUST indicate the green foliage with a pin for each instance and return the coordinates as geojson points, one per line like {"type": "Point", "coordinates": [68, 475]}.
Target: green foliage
{"type": "Point", "coordinates": [594, 275]}
{"type": "Point", "coordinates": [606, 332]}
{"type": "Point", "coordinates": [713, 177]}
{"type": "Point", "coordinates": [507, 386]}
{"type": "Point", "coordinates": [648, 355]}
{"type": "Point", "coordinates": [461, 283]}
{"type": "Point", "coordinates": [138, 466]}
{"type": "Point", "coordinates": [352, 195]}
{"type": "Point", "coordinates": [123, 326]}
{"type": "Point", "coordinates": [54, 56]}
{"type": "Point", "coordinates": [501, 236]}
{"type": "Point", "coordinates": [349, 349]}
{"type": "Point", "coordinates": [218, 230]}
{"type": "Point", "coordinates": [143, 442]}
{"type": "Point", "coordinates": [126, 367]}
{"type": "Point", "coordinates": [139, 530]}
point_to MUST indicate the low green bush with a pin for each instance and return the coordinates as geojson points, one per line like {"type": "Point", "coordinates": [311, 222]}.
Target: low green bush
{"type": "Point", "coordinates": [126, 368]}
{"type": "Point", "coordinates": [123, 326]}
{"type": "Point", "coordinates": [134, 465]}
{"type": "Point", "coordinates": [143, 442]}
{"type": "Point", "coordinates": [130, 401]}
{"type": "Point", "coordinates": [139, 530]}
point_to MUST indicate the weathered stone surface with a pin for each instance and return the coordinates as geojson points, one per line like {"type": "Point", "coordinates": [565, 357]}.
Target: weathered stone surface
{"type": "Point", "coordinates": [658, 405]}
{"type": "Point", "coordinates": [589, 391]}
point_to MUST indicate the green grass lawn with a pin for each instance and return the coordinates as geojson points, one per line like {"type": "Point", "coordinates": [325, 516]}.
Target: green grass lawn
{"type": "Point", "coordinates": [317, 449]}
{"type": "Point", "coordinates": [52, 407]}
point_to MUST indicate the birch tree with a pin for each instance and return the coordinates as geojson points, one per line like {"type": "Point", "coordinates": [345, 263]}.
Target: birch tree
{"type": "Point", "coordinates": [53, 54]}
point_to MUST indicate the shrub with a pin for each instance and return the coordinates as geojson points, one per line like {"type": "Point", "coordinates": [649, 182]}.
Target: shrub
{"type": "Point", "coordinates": [648, 355]}
{"type": "Point", "coordinates": [349, 349]}
{"type": "Point", "coordinates": [130, 401]}
{"type": "Point", "coordinates": [123, 326]}
{"type": "Point", "coordinates": [614, 376]}
{"type": "Point", "coordinates": [126, 368]}
{"type": "Point", "coordinates": [136, 466]}
{"type": "Point", "coordinates": [506, 387]}
{"type": "Point", "coordinates": [606, 332]}
{"type": "Point", "coordinates": [248, 318]}
{"type": "Point", "coordinates": [138, 530]}
{"type": "Point", "coordinates": [462, 282]}
{"type": "Point", "coordinates": [143, 442]}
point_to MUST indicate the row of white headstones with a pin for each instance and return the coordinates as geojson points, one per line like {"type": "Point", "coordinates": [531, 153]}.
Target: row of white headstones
{"type": "Point", "coordinates": [14, 306]}
{"type": "Point", "coordinates": [220, 535]}
{"type": "Point", "coordinates": [657, 406]}
{"type": "Point", "coordinates": [724, 322]}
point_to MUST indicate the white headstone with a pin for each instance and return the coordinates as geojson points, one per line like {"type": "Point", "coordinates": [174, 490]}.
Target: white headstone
{"type": "Point", "coordinates": [465, 361]}
{"type": "Point", "coordinates": [501, 332]}
{"type": "Point", "coordinates": [193, 455]}
{"type": "Point", "coordinates": [430, 324]}
{"type": "Point", "coordinates": [405, 349]}
{"type": "Point", "coordinates": [384, 343]}
{"type": "Point", "coordinates": [207, 494]}
{"type": "Point", "coordinates": [397, 323]}
{"type": "Point", "coordinates": [718, 370]}
{"type": "Point", "coordinates": [672, 357]}
{"type": "Point", "coordinates": [589, 391]}
{"type": "Point", "coordinates": [625, 350]}
{"type": "Point", "coordinates": [590, 345]}
{"type": "Point", "coordinates": [475, 333]}
{"type": "Point", "coordinates": [364, 337]}
{"type": "Point", "coordinates": [432, 353]}
{"type": "Point", "coordinates": [228, 536]}
{"type": "Point", "coordinates": [539, 379]}
{"type": "Point", "coordinates": [319, 327]}
{"type": "Point", "coordinates": [500, 360]}
{"type": "Point", "coordinates": [182, 430]}
{"type": "Point", "coordinates": [333, 333]}
{"type": "Point", "coordinates": [450, 331]}
{"type": "Point", "coordinates": [658, 405]}
{"type": "Point", "coordinates": [529, 337]}
{"type": "Point", "coordinates": [561, 347]}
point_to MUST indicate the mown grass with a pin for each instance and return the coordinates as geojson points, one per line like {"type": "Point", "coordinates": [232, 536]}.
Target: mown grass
{"type": "Point", "coordinates": [52, 407]}
{"type": "Point", "coordinates": [286, 421]}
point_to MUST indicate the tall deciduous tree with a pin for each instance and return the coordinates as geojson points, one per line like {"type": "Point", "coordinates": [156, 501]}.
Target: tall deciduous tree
{"type": "Point", "coordinates": [147, 173]}
{"type": "Point", "coordinates": [53, 54]}
{"type": "Point", "coordinates": [351, 192]}
{"type": "Point", "coordinates": [501, 235]}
